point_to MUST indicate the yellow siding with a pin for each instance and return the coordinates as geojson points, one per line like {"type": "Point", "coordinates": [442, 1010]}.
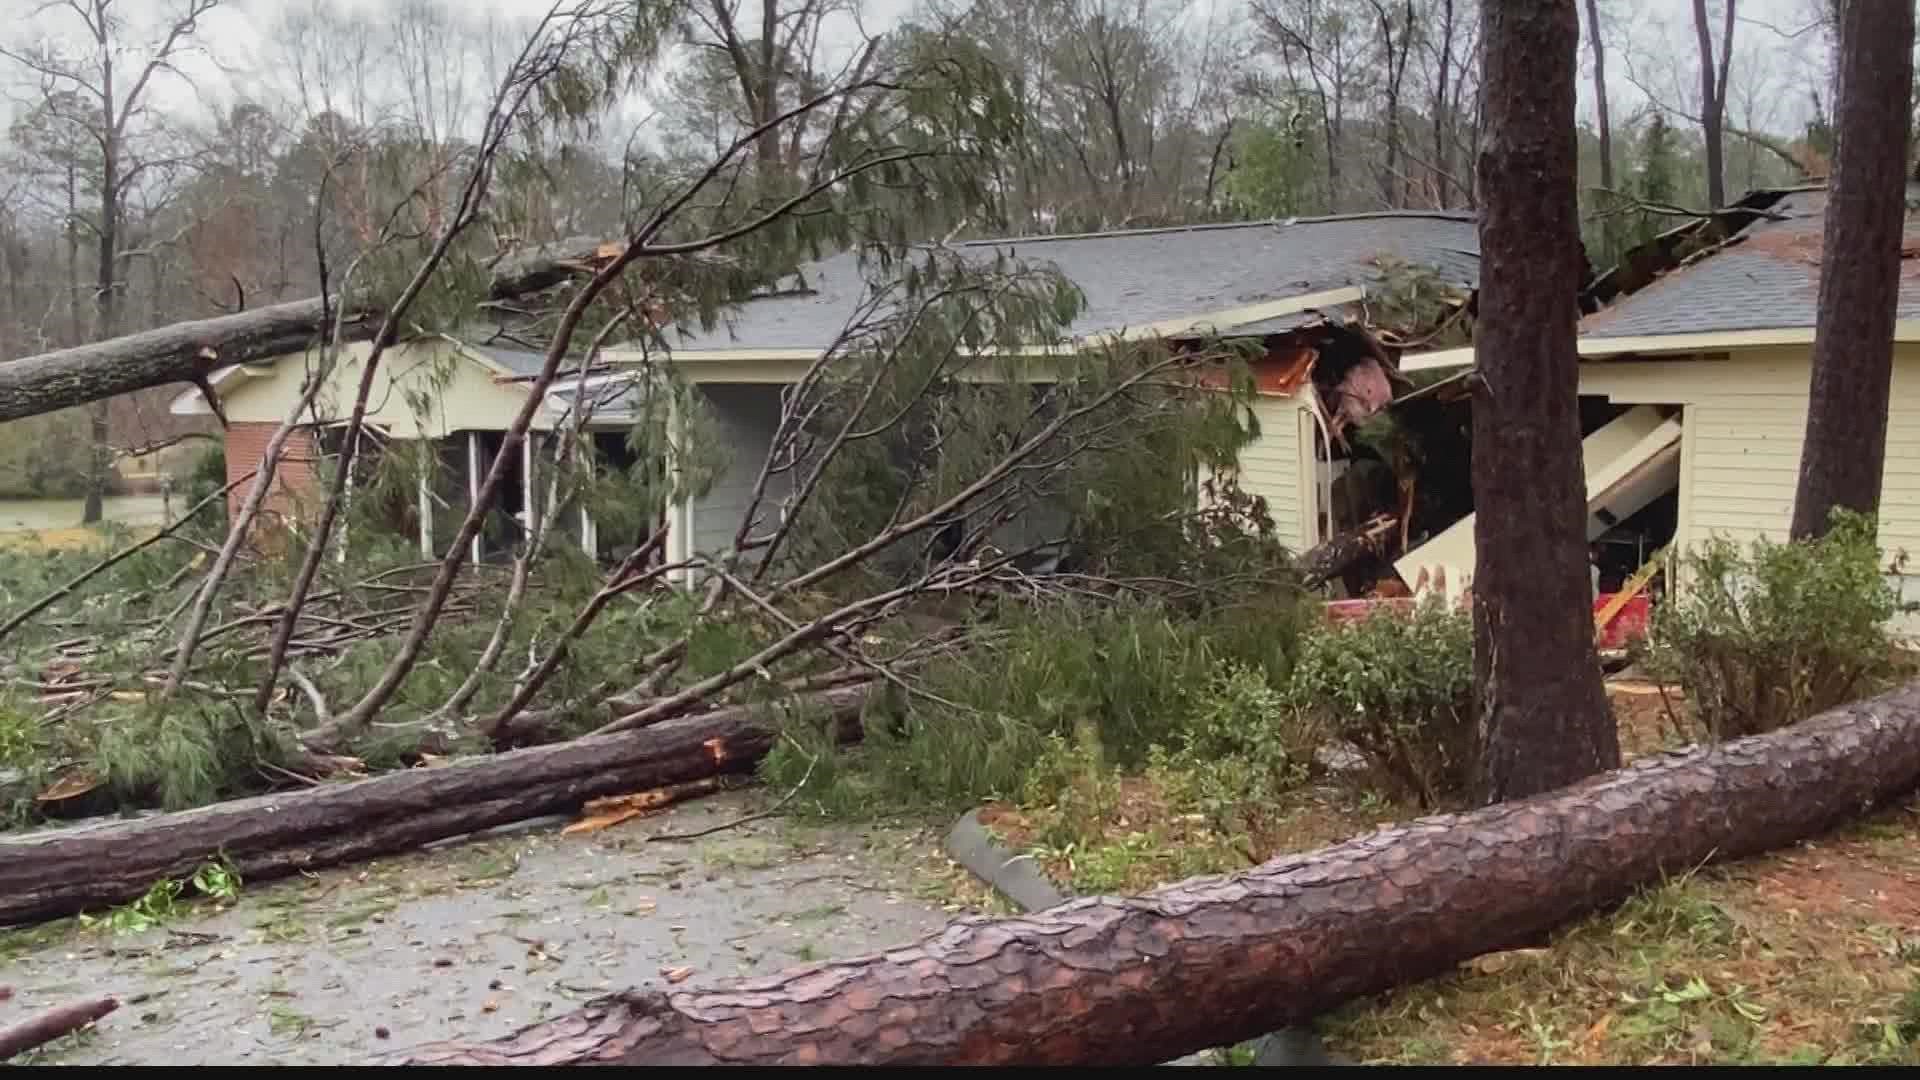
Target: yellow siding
{"type": "Point", "coordinates": [459, 392]}
{"type": "Point", "coordinates": [1270, 467]}
{"type": "Point", "coordinates": [1746, 421]}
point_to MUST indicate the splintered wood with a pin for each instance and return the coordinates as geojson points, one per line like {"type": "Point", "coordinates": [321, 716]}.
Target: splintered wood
{"type": "Point", "coordinates": [604, 813]}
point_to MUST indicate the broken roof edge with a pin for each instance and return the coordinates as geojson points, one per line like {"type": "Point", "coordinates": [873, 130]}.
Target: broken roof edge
{"type": "Point", "coordinates": [1606, 289]}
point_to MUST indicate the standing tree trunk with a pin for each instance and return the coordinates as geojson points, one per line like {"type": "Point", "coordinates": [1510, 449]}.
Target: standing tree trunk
{"type": "Point", "coordinates": [1600, 93]}
{"type": "Point", "coordinates": [1442, 111]}
{"type": "Point", "coordinates": [1846, 441]}
{"type": "Point", "coordinates": [1713, 97]}
{"type": "Point", "coordinates": [1544, 721]}
{"type": "Point", "coordinates": [1392, 183]}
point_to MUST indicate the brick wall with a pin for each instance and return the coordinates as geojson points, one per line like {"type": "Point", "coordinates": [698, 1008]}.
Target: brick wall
{"type": "Point", "coordinates": [293, 482]}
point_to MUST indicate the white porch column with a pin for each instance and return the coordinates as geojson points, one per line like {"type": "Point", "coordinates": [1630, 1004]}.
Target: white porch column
{"type": "Point", "coordinates": [589, 540]}
{"type": "Point", "coordinates": [426, 510]}
{"type": "Point", "coordinates": [473, 485]}
{"type": "Point", "coordinates": [679, 512]}
{"type": "Point", "coordinates": [526, 483]}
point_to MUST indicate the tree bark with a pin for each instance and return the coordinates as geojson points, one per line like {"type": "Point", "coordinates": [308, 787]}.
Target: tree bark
{"type": "Point", "coordinates": [188, 352]}
{"type": "Point", "coordinates": [181, 353]}
{"type": "Point", "coordinates": [1443, 111]}
{"type": "Point", "coordinates": [1114, 981]}
{"type": "Point", "coordinates": [58, 873]}
{"type": "Point", "coordinates": [1846, 440]}
{"type": "Point", "coordinates": [1600, 93]}
{"type": "Point", "coordinates": [1713, 94]}
{"type": "Point", "coordinates": [1543, 716]}
{"type": "Point", "coordinates": [52, 1024]}
{"type": "Point", "coordinates": [1331, 558]}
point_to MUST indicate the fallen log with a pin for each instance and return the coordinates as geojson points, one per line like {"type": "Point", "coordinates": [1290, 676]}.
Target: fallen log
{"type": "Point", "coordinates": [188, 352]}
{"type": "Point", "coordinates": [1213, 961]}
{"type": "Point", "coordinates": [50, 1025]}
{"type": "Point", "coordinates": [44, 875]}
{"type": "Point", "coordinates": [1337, 555]}
{"type": "Point", "coordinates": [181, 353]}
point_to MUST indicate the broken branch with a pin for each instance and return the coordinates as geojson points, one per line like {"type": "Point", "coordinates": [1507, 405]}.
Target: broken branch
{"type": "Point", "coordinates": [50, 1025]}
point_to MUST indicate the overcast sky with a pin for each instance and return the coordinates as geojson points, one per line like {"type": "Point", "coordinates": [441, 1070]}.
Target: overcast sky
{"type": "Point", "coordinates": [1777, 62]}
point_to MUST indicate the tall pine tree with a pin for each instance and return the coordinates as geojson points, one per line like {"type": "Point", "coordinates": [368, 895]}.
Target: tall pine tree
{"type": "Point", "coordinates": [1846, 442]}
{"type": "Point", "coordinates": [1543, 717]}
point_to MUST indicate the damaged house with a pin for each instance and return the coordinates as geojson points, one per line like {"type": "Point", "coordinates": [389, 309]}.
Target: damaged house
{"type": "Point", "coordinates": [1303, 288]}
{"type": "Point", "coordinates": [1695, 363]}
{"type": "Point", "coordinates": [1694, 371]}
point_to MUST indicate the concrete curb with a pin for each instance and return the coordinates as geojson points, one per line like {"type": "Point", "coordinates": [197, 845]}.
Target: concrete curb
{"type": "Point", "coordinates": [1019, 879]}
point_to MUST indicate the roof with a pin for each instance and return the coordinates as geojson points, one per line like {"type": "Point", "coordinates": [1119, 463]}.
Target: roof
{"type": "Point", "coordinates": [520, 363]}
{"type": "Point", "coordinates": [1767, 277]}
{"type": "Point", "coordinates": [1145, 276]}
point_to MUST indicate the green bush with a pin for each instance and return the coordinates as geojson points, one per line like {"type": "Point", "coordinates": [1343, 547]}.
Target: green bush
{"type": "Point", "coordinates": [209, 473]}
{"type": "Point", "coordinates": [1125, 679]}
{"type": "Point", "coordinates": [1400, 689]}
{"type": "Point", "coordinates": [1242, 748]}
{"type": "Point", "coordinates": [1766, 638]}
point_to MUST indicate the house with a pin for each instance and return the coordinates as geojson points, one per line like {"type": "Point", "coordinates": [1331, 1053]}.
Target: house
{"type": "Point", "coordinates": [455, 398]}
{"type": "Point", "coordinates": [1694, 386]}
{"type": "Point", "coordinates": [1277, 282]}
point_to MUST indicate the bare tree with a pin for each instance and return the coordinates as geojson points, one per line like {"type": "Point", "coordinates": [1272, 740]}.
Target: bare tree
{"type": "Point", "coordinates": [111, 99]}
{"type": "Point", "coordinates": [1713, 94]}
{"type": "Point", "coordinates": [1846, 440]}
{"type": "Point", "coordinates": [749, 67]}
{"type": "Point", "coordinates": [1598, 44]}
{"type": "Point", "coordinates": [1441, 108]}
{"type": "Point", "coordinates": [1327, 42]}
{"type": "Point", "coordinates": [1396, 45]}
{"type": "Point", "coordinates": [1544, 719]}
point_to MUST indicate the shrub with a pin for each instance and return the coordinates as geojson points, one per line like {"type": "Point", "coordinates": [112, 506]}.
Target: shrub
{"type": "Point", "coordinates": [1125, 679]}
{"type": "Point", "coordinates": [1400, 689]}
{"type": "Point", "coordinates": [1242, 745]}
{"type": "Point", "coordinates": [1771, 637]}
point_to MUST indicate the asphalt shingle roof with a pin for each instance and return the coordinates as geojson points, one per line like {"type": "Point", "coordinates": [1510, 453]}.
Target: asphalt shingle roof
{"type": "Point", "coordinates": [1144, 276]}
{"type": "Point", "coordinates": [1767, 279]}
{"type": "Point", "coordinates": [524, 363]}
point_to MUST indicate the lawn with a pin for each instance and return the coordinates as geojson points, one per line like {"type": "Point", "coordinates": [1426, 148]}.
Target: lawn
{"type": "Point", "coordinates": [1809, 955]}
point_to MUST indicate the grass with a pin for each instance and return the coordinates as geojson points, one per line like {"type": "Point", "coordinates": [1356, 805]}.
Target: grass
{"type": "Point", "coordinates": [1811, 955]}
{"type": "Point", "coordinates": [1803, 957]}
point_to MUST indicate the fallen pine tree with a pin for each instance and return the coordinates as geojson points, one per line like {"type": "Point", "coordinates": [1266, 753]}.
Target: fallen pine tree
{"type": "Point", "coordinates": [1212, 961]}
{"type": "Point", "coordinates": [188, 352]}
{"type": "Point", "coordinates": [44, 875]}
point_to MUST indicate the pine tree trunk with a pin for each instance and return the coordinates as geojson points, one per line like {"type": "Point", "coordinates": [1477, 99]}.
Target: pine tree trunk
{"type": "Point", "coordinates": [182, 352]}
{"type": "Point", "coordinates": [1543, 717]}
{"type": "Point", "coordinates": [1846, 441]}
{"type": "Point", "coordinates": [48, 874]}
{"type": "Point", "coordinates": [1212, 961]}
{"type": "Point", "coordinates": [188, 351]}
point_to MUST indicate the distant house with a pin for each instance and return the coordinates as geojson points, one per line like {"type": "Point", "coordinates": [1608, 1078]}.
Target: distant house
{"type": "Point", "coordinates": [1277, 282]}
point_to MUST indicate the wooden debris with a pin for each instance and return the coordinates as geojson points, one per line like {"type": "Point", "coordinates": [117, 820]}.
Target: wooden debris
{"type": "Point", "coordinates": [50, 1025]}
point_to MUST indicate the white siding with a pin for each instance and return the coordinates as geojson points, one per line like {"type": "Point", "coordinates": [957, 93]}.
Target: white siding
{"type": "Point", "coordinates": [1273, 467]}
{"type": "Point", "coordinates": [1745, 426]}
